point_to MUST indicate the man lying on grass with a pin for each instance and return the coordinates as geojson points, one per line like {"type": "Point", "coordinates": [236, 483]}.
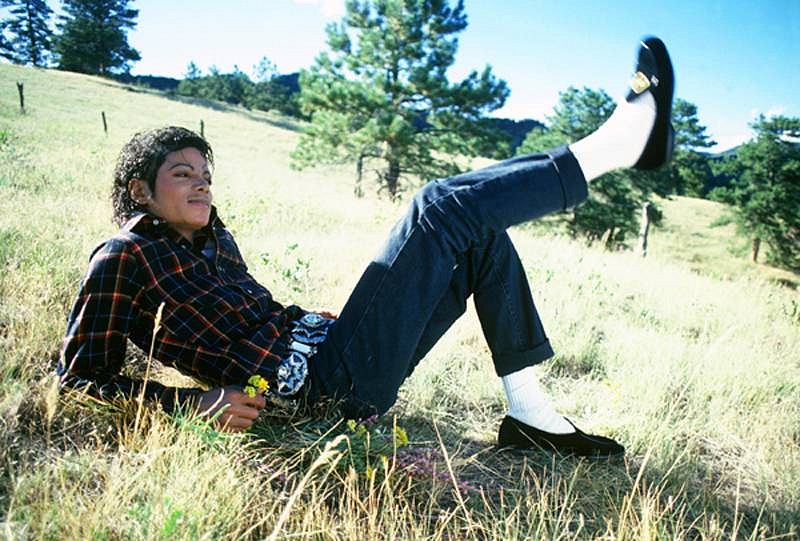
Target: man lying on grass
{"type": "Point", "coordinates": [221, 326]}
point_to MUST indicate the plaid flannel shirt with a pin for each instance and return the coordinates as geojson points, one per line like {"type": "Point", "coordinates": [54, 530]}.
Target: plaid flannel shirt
{"type": "Point", "coordinates": [218, 324]}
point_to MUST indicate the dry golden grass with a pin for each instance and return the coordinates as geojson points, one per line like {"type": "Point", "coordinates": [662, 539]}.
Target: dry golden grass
{"type": "Point", "coordinates": [689, 357]}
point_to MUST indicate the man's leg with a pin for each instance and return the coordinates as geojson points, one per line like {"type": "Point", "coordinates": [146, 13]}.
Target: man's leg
{"type": "Point", "coordinates": [370, 349]}
{"type": "Point", "coordinates": [494, 275]}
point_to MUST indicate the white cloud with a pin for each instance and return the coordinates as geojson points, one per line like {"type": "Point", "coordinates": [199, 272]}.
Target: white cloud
{"type": "Point", "coordinates": [331, 9]}
{"type": "Point", "coordinates": [772, 111]}
{"type": "Point", "coordinates": [775, 111]}
{"type": "Point", "coordinates": [728, 141]}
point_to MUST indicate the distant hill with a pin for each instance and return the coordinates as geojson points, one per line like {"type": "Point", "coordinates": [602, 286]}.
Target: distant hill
{"type": "Point", "coordinates": [156, 82]}
{"type": "Point", "coordinates": [516, 130]}
{"type": "Point", "coordinates": [290, 81]}
{"type": "Point", "coordinates": [720, 155]}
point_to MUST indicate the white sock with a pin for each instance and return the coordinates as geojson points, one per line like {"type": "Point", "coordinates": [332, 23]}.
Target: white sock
{"type": "Point", "coordinates": [620, 141]}
{"type": "Point", "coordinates": [528, 404]}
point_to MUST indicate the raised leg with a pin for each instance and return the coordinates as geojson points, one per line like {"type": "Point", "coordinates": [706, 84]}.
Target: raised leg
{"type": "Point", "coordinates": [493, 274]}
{"type": "Point", "coordinates": [371, 349]}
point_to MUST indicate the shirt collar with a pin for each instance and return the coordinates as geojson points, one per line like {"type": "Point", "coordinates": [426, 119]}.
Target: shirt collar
{"type": "Point", "coordinates": [141, 222]}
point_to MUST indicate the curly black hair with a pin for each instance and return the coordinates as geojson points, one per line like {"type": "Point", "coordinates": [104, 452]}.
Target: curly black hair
{"type": "Point", "coordinates": [142, 157]}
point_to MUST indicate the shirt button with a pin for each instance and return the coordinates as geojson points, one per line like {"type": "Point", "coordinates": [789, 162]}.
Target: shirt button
{"type": "Point", "coordinates": [249, 291]}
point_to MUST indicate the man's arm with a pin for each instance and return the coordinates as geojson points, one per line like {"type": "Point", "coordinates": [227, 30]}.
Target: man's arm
{"type": "Point", "coordinates": [97, 330]}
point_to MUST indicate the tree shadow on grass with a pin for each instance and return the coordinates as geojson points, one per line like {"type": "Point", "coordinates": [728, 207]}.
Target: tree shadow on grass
{"type": "Point", "coordinates": [684, 499]}
{"type": "Point", "coordinates": [452, 468]}
{"type": "Point", "coordinates": [222, 107]}
{"type": "Point", "coordinates": [691, 497]}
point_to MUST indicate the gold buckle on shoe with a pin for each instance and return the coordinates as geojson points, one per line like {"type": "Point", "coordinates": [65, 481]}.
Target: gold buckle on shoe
{"type": "Point", "coordinates": [640, 82]}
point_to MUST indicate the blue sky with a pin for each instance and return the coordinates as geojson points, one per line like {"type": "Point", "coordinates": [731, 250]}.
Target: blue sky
{"type": "Point", "coordinates": [732, 59]}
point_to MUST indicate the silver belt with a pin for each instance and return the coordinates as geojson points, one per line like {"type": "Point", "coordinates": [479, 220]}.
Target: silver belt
{"type": "Point", "coordinates": [307, 333]}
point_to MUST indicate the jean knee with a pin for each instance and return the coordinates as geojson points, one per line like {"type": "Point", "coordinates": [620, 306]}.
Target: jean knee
{"type": "Point", "coordinates": [426, 195]}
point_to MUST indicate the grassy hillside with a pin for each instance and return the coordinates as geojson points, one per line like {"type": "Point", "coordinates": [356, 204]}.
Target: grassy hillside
{"type": "Point", "coordinates": [689, 357]}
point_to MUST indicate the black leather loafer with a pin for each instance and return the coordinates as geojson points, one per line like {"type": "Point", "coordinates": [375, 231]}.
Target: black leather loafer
{"type": "Point", "coordinates": [654, 74]}
{"type": "Point", "coordinates": [518, 435]}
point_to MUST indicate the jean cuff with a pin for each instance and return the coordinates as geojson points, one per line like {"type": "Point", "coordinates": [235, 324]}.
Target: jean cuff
{"type": "Point", "coordinates": [508, 363]}
{"type": "Point", "coordinates": [573, 183]}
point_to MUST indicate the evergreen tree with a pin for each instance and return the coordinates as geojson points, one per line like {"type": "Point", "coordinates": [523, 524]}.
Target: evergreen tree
{"type": "Point", "coordinates": [268, 93]}
{"type": "Point", "coordinates": [689, 170]}
{"type": "Point", "coordinates": [5, 46]}
{"type": "Point", "coordinates": [765, 190]}
{"type": "Point", "coordinates": [380, 97]}
{"type": "Point", "coordinates": [192, 82]}
{"type": "Point", "coordinates": [192, 71]}
{"type": "Point", "coordinates": [612, 211]}
{"type": "Point", "coordinates": [93, 36]}
{"type": "Point", "coordinates": [30, 34]}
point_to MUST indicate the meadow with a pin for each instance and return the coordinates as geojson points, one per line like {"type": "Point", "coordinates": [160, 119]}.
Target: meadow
{"type": "Point", "coordinates": [690, 357]}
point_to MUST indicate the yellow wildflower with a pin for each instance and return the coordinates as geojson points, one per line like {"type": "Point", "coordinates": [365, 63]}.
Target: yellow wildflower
{"type": "Point", "coordinates": [400, 436]}
{"type": "Point", "coordinates": [256, 384]}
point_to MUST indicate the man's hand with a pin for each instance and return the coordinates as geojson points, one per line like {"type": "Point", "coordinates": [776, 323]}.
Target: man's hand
{"type": "Point", "coordinates": [240, 412]}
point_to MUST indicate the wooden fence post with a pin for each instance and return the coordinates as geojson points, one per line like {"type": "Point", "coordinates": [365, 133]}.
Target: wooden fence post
{"type": "Point", "coordinates": [202, 128]}
{"type": "Point", "coordinates": [105, 124]}
{"type": "Point", "coordinates": [21, 96]}
{"type": "Point", "coordinates": [756, 249]}
{"type": "Point", "coordinates": [644, 229]}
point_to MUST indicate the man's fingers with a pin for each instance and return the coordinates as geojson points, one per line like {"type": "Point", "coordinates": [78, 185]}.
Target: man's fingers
{"type": "Point", "coordinates": [236, 409]}
{"type": "Point", "coordinates": [239, 396]}
{"type": "Point", "coordinates": [242, 410]}
{"type": "Point", "coordinates": [234, 423]}
{"type": "Point", "coordinates": [256, 401]}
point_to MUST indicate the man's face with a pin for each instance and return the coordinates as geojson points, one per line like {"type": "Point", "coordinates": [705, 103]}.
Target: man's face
{"type": "Point", "coordinates": [182, 192]}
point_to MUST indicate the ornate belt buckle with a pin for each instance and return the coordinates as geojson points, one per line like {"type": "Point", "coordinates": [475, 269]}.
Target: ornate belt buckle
{"type": "Point", "coordinates": [300, 347]}
{"type": "Point", "coordinates": [312, 320]}
{"type": "Point", "coordinates": [292, 373]}
{"type": "Point", "coordinates": [307, 337]}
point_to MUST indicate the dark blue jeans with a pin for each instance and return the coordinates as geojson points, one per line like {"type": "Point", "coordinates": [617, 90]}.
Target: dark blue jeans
{"type": "Point", "coordinates": [452, 243]}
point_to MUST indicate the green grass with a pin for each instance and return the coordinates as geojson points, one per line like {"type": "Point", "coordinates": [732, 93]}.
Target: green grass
{"type": "Point", "coordinates": [703, 235]}
{"type": "Point", "coordinates": [688, 356]}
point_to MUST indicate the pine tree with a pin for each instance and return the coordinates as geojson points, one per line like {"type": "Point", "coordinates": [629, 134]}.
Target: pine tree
{"type": "Point", "coordinates": [765, 190]}
{"type": "Point", "coordinates": [93, 36]}
{"type": "Point", "coordinates": [381, 98]}
{"type": "Point", "coordinates": [612, 211]}
{"type": "Point", "coordinates": [616, 198]}
{"type": "Point", "coordinates": [689, 170]}
{"type": "Point", "coordinates": [30, 34]}
{"type": "Point", "coordinates": [5, 46]}
{"type": "Point", "coordinates": [192, 82]}
{"type": "Point", "coordinates": [267, 93]}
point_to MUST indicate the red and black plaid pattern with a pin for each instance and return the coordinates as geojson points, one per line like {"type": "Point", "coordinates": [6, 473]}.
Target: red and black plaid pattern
{"type": "Point", "coordinates": [218, 324]}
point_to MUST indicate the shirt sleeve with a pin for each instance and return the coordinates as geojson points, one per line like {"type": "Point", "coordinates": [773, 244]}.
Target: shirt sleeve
{"type": "Point", "coordinates": [105, 310]}
{"type": "Point", "coordinates": [231, 361]}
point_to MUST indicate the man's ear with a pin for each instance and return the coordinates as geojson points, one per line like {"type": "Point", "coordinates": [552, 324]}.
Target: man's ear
{"type": "Point", "coordinates": [139, 190]}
